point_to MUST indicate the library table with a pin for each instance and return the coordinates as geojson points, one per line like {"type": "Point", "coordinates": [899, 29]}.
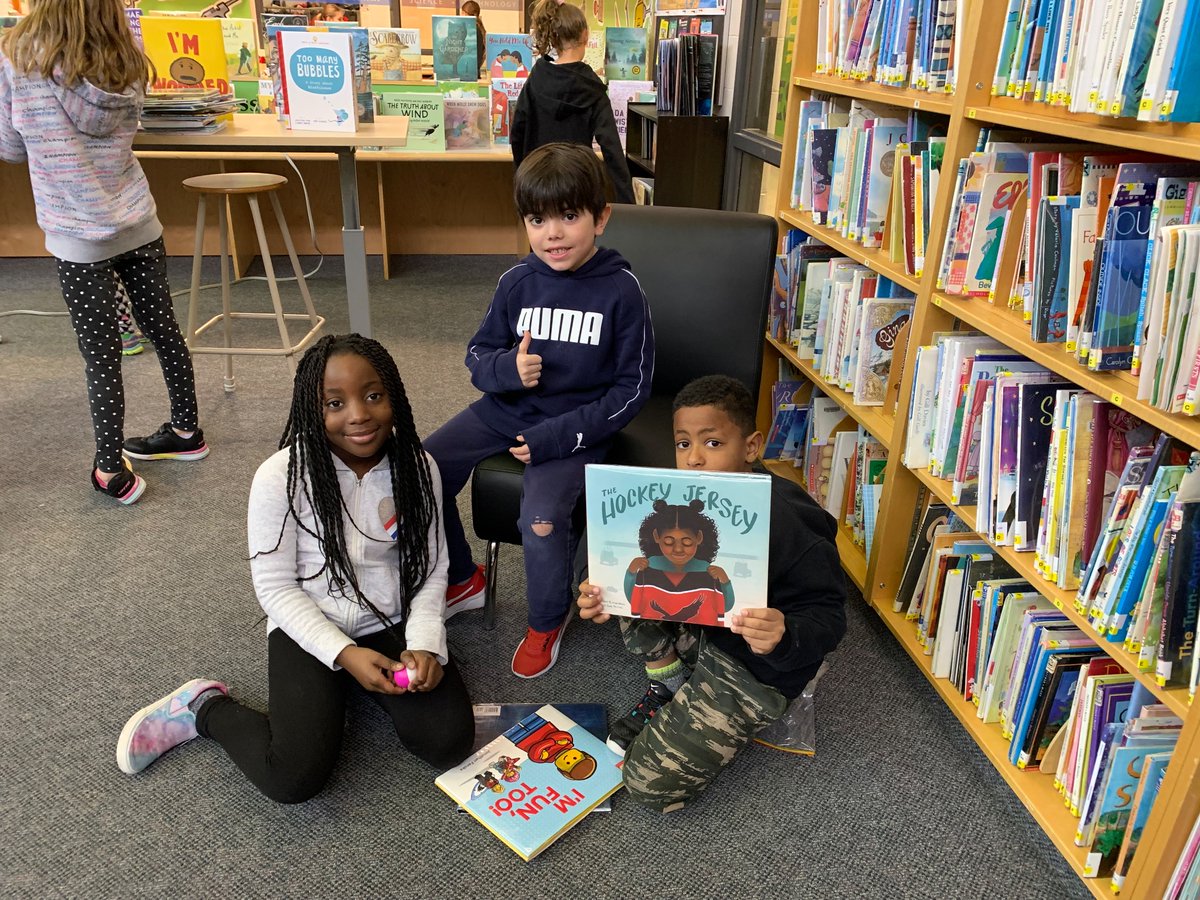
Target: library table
{"type": "Point", "coordinates": [249, 133]}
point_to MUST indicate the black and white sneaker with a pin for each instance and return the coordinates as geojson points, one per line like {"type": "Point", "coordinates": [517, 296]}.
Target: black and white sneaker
{"type": "Point", "coordinates": [623, 731]}
{"type": "Point", "coordinates": [166, 444]}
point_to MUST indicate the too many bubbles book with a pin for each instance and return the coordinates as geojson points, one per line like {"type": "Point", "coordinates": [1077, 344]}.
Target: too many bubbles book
{"type": "Point", "coordinates": [536, 781]}
{"type": "Point", "coordinates": [669, 544]}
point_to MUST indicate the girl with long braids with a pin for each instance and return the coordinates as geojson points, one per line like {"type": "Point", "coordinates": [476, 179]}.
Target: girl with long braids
{"type": "Point", "coordinates": [349, 563]}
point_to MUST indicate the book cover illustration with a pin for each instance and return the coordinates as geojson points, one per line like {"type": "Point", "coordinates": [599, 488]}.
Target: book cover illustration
{"type": "Point", "coordinates": [882, 321]}
{"type": "Point", "coordinates": [395, 54]}
{"type": "Point", "coordinates": [426, 118]}
{"type": "Point", "coordinates": [454, 55]}
{"type": "Point", "coordinates": [505, 92]}
{"type": "Point", "coordinates": [533, 783]}
{"type": "Point", "coordinates": [493, 719]}
{"type": "Point", "coordinates": [186, 52]}
{"type": "Point", "coordinates": [509, 55]}
{"type": "Point", "coordinates": [675, 545]}
{"type": "Point", "coordinates": [467, 124]}
{"type": "Point", "coordinates": [319, 83]}
{"type": "Point", "coordinates": [241, 48]}
{"type": "Point", "coordinates": [625, 56]}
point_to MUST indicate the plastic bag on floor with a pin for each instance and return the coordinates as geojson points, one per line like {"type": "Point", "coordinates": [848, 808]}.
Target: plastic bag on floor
{"type": "Point", "coordinates": [796, 730]}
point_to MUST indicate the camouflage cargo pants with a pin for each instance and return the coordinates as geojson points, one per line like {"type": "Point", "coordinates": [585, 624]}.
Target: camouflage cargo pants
{"type": "Point", "coordinates": [710, 719]}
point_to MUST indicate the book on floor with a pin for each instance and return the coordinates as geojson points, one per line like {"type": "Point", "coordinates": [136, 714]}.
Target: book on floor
{"type": "Point", "coordinates": [562, 773]}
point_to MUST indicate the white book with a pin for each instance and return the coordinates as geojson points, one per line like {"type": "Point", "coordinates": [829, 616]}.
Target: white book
{"type": "Point", "coordinates": [947, 624]}
{"type": "Point", "coordinates": [920, 408]}
{"type": "Point", "coordinates": [1180, 314]}
{"type": "Point", "coordinates": [1092, 53]}
{"type": "Point", "coordinates": [1004, 650]}
{"type": "Point", "coordinates": [843, 448]}
{"type": "Point", "coordinates": [1190, 339]}
{"type": "Point", "coordinates": [320, 80]}
{"type": "Point", "coordinates": [1117, 56]}
{"type": "Point", "coordinates": [983, 510]}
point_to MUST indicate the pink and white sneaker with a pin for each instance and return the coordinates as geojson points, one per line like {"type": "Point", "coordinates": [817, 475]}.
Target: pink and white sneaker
{"type": "Point", "coordinates": [155, 729]}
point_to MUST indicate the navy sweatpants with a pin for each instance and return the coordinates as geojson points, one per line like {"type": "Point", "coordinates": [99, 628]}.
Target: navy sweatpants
{"type": "Point", "coordinates": [549, 493]}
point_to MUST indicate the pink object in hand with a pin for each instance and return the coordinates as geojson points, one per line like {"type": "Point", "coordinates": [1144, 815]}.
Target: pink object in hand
{"type": "Point", "coordinates": [400, 676]}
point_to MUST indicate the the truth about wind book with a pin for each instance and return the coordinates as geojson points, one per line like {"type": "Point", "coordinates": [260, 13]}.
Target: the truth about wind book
{"type": "Point", "coordinates": [678, 545]}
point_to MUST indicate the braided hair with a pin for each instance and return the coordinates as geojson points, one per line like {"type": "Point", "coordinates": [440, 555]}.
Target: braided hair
{"type": "Point", "coordinates": [690, 518]}
{"type": "Point", "coordinates": [310, 469]}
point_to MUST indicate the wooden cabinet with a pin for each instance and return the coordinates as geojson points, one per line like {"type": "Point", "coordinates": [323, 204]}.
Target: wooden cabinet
{"type": "Point", "coordinates": [685, 155]}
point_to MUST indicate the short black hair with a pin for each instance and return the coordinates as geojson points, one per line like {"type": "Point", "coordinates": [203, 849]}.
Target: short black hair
{"type": "Point", "coordinates": [725, 393]}
{"type": "Point", "coordinates": [558, 178]}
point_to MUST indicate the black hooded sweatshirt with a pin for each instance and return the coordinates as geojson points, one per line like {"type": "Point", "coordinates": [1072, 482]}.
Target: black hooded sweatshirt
{"type": "Point", "coordinates": [567, 102]}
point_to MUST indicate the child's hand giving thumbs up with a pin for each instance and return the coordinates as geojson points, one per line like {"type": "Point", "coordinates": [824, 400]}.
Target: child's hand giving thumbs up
{"type": "Point", "coordinates": [529, 365]}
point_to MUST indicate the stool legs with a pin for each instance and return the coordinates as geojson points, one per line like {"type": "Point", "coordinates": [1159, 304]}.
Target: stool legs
{"type": "Point", "coordinates": [295, 260]}
{"type": "Point", "coordinates": [256, 213]}
{"type": "Point", "coordinates": [197, 259]}
{"type": "Point", "coordinates": [226, 309]}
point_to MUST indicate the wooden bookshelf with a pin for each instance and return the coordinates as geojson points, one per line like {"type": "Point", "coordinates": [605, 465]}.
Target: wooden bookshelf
{"type": "Point", "coordinates": [854, 558]}
{"type": "Point", "coordinates": [968, 110]}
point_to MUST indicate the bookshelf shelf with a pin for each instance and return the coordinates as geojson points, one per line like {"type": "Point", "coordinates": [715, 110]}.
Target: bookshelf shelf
{"type": "Point", "coordinates": [854, 558]}
{"type": "Point", "coordinates": [970, 110]}
{"type": "Point", "coordinates": [1035, 790]}
{"type": "Point", "coordinates": [1120, 388]}
{"type": "Point", "coordinates": [872, 418]}
{"type": "Point", "coordinates": [878, 93]}
{"type": "Point", "coordinates": [876, 260]}
{"type": "Point", "coordinates": [1167, 138]}
{"type": "Point", "coordinates": [1022, 563]}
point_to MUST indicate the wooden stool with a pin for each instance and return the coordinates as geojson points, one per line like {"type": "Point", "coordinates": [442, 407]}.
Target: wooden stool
{"type": "Point", "coordinates": [250, 185]}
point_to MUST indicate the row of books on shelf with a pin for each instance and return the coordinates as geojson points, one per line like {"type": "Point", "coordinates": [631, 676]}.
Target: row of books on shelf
{"type": "Point", "coordinates": [1184, 883]}
{"type": "Point", "coordinates": [842, 464]}
{"type": "Point", "coordinates": [1108, 57]}
{"type": "Point", "coordinates": [870, 172]}
{"type": "Point", "coordinates": [687, 74]}
{"type": "Point", "coordinates": [1063, 707]}
{"type": "Point", "coordinates": [899, 43]}
{"type": "Point", "coordinates": [1097, 249]}
{"type": "Point", "coordinates": [1106, 506]}
{"type": "Point", "coordinates": [842, 316]}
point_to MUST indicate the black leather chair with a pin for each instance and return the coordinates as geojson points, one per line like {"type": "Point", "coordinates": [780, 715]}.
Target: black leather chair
{"type": "Point", "coordinates": [707, 276]}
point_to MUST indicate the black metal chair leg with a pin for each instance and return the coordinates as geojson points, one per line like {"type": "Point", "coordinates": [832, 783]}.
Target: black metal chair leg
{"type": "Point", "coordinates": [490, 564]}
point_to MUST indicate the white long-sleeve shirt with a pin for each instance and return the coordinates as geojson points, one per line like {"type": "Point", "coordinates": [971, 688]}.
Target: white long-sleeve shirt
{"type": "Point", "coordinates": [311, 612]}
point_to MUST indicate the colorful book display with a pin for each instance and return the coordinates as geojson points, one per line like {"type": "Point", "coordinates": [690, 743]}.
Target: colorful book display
{"type": "Point", "coordinates": [426, 119]}
{"type": "Point", "coordinates": [677, 545]}
{"type": "Point", "coordinates": [536, 781]}
{"type": "Point", "coordinates": [319, 80]}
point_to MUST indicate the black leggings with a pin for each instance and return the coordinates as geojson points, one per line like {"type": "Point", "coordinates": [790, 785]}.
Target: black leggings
{"type": "Point", "coordinates": [289, 753]}
{"type": "Point", "coordinates": [90, 292]}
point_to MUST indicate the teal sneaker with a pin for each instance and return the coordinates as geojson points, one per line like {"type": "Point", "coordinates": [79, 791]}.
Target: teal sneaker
{"type": "Point", "coordinates": [157, 728]}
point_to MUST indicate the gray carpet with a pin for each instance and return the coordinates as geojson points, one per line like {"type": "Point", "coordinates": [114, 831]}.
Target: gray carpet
{"type": "Point", "coordinates": [107, 608]}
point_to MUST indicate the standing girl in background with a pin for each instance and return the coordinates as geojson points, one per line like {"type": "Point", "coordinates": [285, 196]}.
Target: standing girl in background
{"type": "Point", "coordinates": [72, 81]}
{"type": "Point", "coordinates": [563, 99]}
{"type": "Point", "coordinates": [349, 563]}
{"type": "Point", "coordinates": [471, 8]}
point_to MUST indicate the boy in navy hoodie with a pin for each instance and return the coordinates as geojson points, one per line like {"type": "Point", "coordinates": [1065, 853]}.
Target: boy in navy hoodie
{"type": "Point", "coordinates": [564, 357]}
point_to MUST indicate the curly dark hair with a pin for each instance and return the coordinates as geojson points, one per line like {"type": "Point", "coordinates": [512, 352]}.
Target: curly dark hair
{"type": "Point", "coordinates": [691, 517]}
{"type": "Point", "coordinates": [311, 470]}
{"type": "Point", "coordinates": [723, 392]}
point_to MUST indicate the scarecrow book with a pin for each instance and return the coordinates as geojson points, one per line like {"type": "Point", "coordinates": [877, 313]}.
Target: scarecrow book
{"type": "Point", "coordinates": [678, 545]}
{"type": "Point", "coordinates": [536, 781]}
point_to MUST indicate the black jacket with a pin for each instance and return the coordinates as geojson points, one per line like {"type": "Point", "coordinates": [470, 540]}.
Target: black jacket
{"type": "Point", "coordinates": [567, 102]}
{"type": "Point", "coordinates": [805, 581]}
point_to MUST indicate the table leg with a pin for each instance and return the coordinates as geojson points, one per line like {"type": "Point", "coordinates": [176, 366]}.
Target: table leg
{"type": "Point", "coordinates": [354, 246]}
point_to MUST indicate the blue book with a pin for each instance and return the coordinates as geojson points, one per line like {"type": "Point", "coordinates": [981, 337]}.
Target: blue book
{"type": "Point", "coordinates": [1050, 643]}
{"type": "Point", "coordinates": [1129, 92]}
{"type": "Point", "coordinates": [671, 544]}
{"type": "Point", "coordinates": [562, 772]}
{"type": "Point", "coordinates": [1182, 98]}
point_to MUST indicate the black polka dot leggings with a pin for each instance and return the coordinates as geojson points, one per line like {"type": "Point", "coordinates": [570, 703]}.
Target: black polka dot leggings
{"type": "Point", "coordinates": [90, 292]}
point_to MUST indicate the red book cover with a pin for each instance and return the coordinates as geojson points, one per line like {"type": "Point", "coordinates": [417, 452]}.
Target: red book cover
{"type": "Point", "coordinates": [973, 641]}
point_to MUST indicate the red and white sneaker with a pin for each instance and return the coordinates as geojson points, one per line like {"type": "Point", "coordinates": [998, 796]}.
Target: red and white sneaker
{"type": "Point", "coordinates": [538, 651]}
{"type": "Point", "coordinates": [469, 595]}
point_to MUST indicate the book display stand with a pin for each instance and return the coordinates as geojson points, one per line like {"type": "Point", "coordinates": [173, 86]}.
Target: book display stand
{"type": "Point", "coordinates": [964, 112]}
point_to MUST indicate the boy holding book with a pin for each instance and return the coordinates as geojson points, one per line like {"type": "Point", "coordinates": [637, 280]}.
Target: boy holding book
{"type": "Point", "coordinates": [712, 688]}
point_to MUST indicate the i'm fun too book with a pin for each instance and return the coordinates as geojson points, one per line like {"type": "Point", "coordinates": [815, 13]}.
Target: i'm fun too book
{"type": "Point", "coordinates": [669, 544]}
{"type": "Point", "coordinates": [536, 781]}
